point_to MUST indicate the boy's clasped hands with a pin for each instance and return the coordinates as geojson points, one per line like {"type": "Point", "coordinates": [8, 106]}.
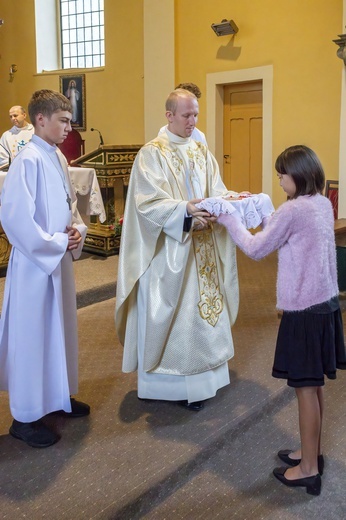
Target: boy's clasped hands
{"type": "Point", "coordinates": [74, 237]}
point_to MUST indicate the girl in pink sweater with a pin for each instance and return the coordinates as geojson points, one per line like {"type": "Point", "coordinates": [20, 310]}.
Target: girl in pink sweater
{"type": "Point", "coordinates": [310, 341]}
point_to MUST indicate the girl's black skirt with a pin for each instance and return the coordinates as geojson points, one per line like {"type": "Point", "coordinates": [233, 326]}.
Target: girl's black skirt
{"type": "Point", "coordinates": [310, 344]}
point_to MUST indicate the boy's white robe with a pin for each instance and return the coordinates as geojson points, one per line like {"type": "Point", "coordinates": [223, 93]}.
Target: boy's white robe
{"type": "Point", "coordinates": [38, 329]}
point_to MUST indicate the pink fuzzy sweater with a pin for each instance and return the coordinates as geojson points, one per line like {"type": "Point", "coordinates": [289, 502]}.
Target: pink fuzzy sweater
{"type": "Point", "coordinates": [302, 230]}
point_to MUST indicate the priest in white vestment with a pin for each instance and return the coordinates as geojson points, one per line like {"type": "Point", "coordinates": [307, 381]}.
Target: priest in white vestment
{"type": "Point", "coordinates": [13, 140]}
{"type": "Point", "coordinates": [197, 134]}
{"type": "Point", "coordinates": [177, 285]}
{"type": "Point", "coordinates": [38, 327]}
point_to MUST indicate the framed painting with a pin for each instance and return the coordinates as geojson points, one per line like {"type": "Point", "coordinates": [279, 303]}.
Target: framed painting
{"type": "Point", "coordinates": [73, 87]}
{"type": "Point", "coordinates": [332, 192]}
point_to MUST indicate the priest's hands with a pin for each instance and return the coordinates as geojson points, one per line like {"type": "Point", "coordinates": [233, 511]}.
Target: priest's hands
{"type": "Point", "coordinates": [200, 215]}
{"type": "Point", "coordinates": [74, 237]}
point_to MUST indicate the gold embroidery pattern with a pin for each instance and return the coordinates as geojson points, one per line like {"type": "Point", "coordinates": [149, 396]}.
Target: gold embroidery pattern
{"type": "Point", "coordinates": [172, 156]}
{"type": "Point", "coordinates": [211, 302]}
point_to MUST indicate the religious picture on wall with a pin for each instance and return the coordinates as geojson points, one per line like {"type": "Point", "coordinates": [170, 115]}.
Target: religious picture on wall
{"type": "Point", "coordinates": [73, 87]}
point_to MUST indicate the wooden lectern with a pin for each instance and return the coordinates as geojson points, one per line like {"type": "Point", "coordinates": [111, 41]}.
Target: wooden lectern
{"type": "Point", "coordinates": [113, 164]}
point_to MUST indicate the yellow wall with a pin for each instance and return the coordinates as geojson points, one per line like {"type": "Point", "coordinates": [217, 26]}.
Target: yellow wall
{"type": "Point", "coordinates": [294, 36]}
{"type": "Point", "coordinates": [114, 95]}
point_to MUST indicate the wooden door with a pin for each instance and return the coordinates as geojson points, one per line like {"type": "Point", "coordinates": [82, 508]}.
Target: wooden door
{"type": "Point", "coordinates": [243, 136]}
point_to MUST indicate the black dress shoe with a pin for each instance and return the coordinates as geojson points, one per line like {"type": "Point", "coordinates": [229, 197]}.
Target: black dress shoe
{"type": "Point", "coordinates": [35, 434]}
{"type": "Point", "coordinates": [312, 484]}
{"type": "Point", "coordinates": [78, 409]}
{"type": "Point", "coordinates": [284, 455]}
{"type": "Point", "coordinates": [196, 406]}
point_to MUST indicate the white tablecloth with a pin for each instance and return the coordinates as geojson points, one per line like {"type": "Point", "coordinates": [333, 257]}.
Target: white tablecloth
{"type": "Point", "coordinates": [252, 209]}
{"type": "Point", "coordinates": [84, 181]}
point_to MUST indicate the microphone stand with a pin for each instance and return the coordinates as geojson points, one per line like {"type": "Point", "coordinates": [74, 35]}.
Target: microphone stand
{"type": "Point", "coordinates": [101, 138]}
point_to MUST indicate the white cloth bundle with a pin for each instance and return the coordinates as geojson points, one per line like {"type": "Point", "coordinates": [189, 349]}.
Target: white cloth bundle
{"type": "Point", "coordinates": [253, 209]}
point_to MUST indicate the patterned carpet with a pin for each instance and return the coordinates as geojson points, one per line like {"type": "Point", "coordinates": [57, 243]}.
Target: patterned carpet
{"type": "Point", "coordinates": [133, 459]}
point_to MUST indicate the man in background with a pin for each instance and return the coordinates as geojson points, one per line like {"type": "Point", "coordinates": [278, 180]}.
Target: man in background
{"type": "Point", "coordinates": [13, 141]}
{"type": "Point", "coordinates": [197, 135]}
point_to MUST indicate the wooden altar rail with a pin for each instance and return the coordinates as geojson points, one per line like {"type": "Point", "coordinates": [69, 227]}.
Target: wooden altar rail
{"type": "Point", "coordinates": [340, 226]}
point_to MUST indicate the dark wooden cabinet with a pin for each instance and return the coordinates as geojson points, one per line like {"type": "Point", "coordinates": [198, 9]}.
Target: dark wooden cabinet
{"type": "Point", "coordinates": [113, 164]}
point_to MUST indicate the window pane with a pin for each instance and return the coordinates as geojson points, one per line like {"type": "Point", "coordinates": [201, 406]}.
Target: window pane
{"type": "Point", "coordinates": [97, 61]}
{"type": "Point", "coordinates": [72, 7]}
{"type": "Point", "coordinates": [81, 62]}
{"type": "Point", "coordinates": [80, 35]}
{"type": "Point", "coordinates": [66, 63]}
{"type": "Point", "coordinates": [87, 20]}
{"type": "Point", "coordinates": [80, 20]}
{"type": "Point", "coordinates": [96, 33]}
{"type": "Point", "coordinates": [66, 37]}
{"type": "Point", "coordinates": [64, 8]}
{"type": "Point", "coordinates": [89, 61]}
{"type": "Point", "coordinates": [88, 48]}
{"type": "Point", "coordinates": [64, 23]}
{"type": "Point", "coordinates": [73, 21]}
{"type": "Point", "coordinates": [73, 35]}
{"type": "Point", "coordinates": [80, 6]}
{"type": "Point", "coordinates": [73, 49]}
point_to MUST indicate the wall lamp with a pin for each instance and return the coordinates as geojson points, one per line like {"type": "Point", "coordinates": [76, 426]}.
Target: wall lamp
{"type": "Point", "coordinates": [341, 52]}
{"type": "Point", "coordinates": [224, 27]}
{"type": "Point", "coordinates": [13, 69]}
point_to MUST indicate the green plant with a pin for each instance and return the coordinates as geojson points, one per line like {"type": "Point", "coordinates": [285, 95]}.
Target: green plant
{"type": "Point", "coordinates": [117, 225]}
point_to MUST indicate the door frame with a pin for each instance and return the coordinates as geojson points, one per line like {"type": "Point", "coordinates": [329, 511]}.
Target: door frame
{"type": "Point", "coordinates": [215, 102]}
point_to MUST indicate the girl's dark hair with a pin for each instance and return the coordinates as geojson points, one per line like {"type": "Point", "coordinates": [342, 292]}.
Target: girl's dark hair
{"type": "Point", "coordinates": [303, 165]}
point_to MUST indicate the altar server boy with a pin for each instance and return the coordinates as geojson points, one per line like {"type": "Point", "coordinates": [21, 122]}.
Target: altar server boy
{"type": "Point", "coordinates": [38, 329]}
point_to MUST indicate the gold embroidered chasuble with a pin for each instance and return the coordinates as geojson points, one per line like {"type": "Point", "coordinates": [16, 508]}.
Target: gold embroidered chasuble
{"type": "Point", "coordinates": [193, 298]}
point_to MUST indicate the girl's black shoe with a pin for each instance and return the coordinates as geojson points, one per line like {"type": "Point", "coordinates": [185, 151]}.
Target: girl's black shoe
{"type": "Point", "coordinates": [312, 484]}
{"type": "Point", "coordinates": [284, 455]}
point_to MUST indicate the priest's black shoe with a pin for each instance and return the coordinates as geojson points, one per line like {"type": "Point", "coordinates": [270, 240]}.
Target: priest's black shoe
{"type": "Point", "coordinates": [312, 484]}
{"type": "Point", "coordinates": [78, 409]}
{"type": "Point", "coordinates": [35, 434]}
{"type": "Point", "coordinates": [284, 455]}
{"type": "Point", "coordinates": [196, 406]}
